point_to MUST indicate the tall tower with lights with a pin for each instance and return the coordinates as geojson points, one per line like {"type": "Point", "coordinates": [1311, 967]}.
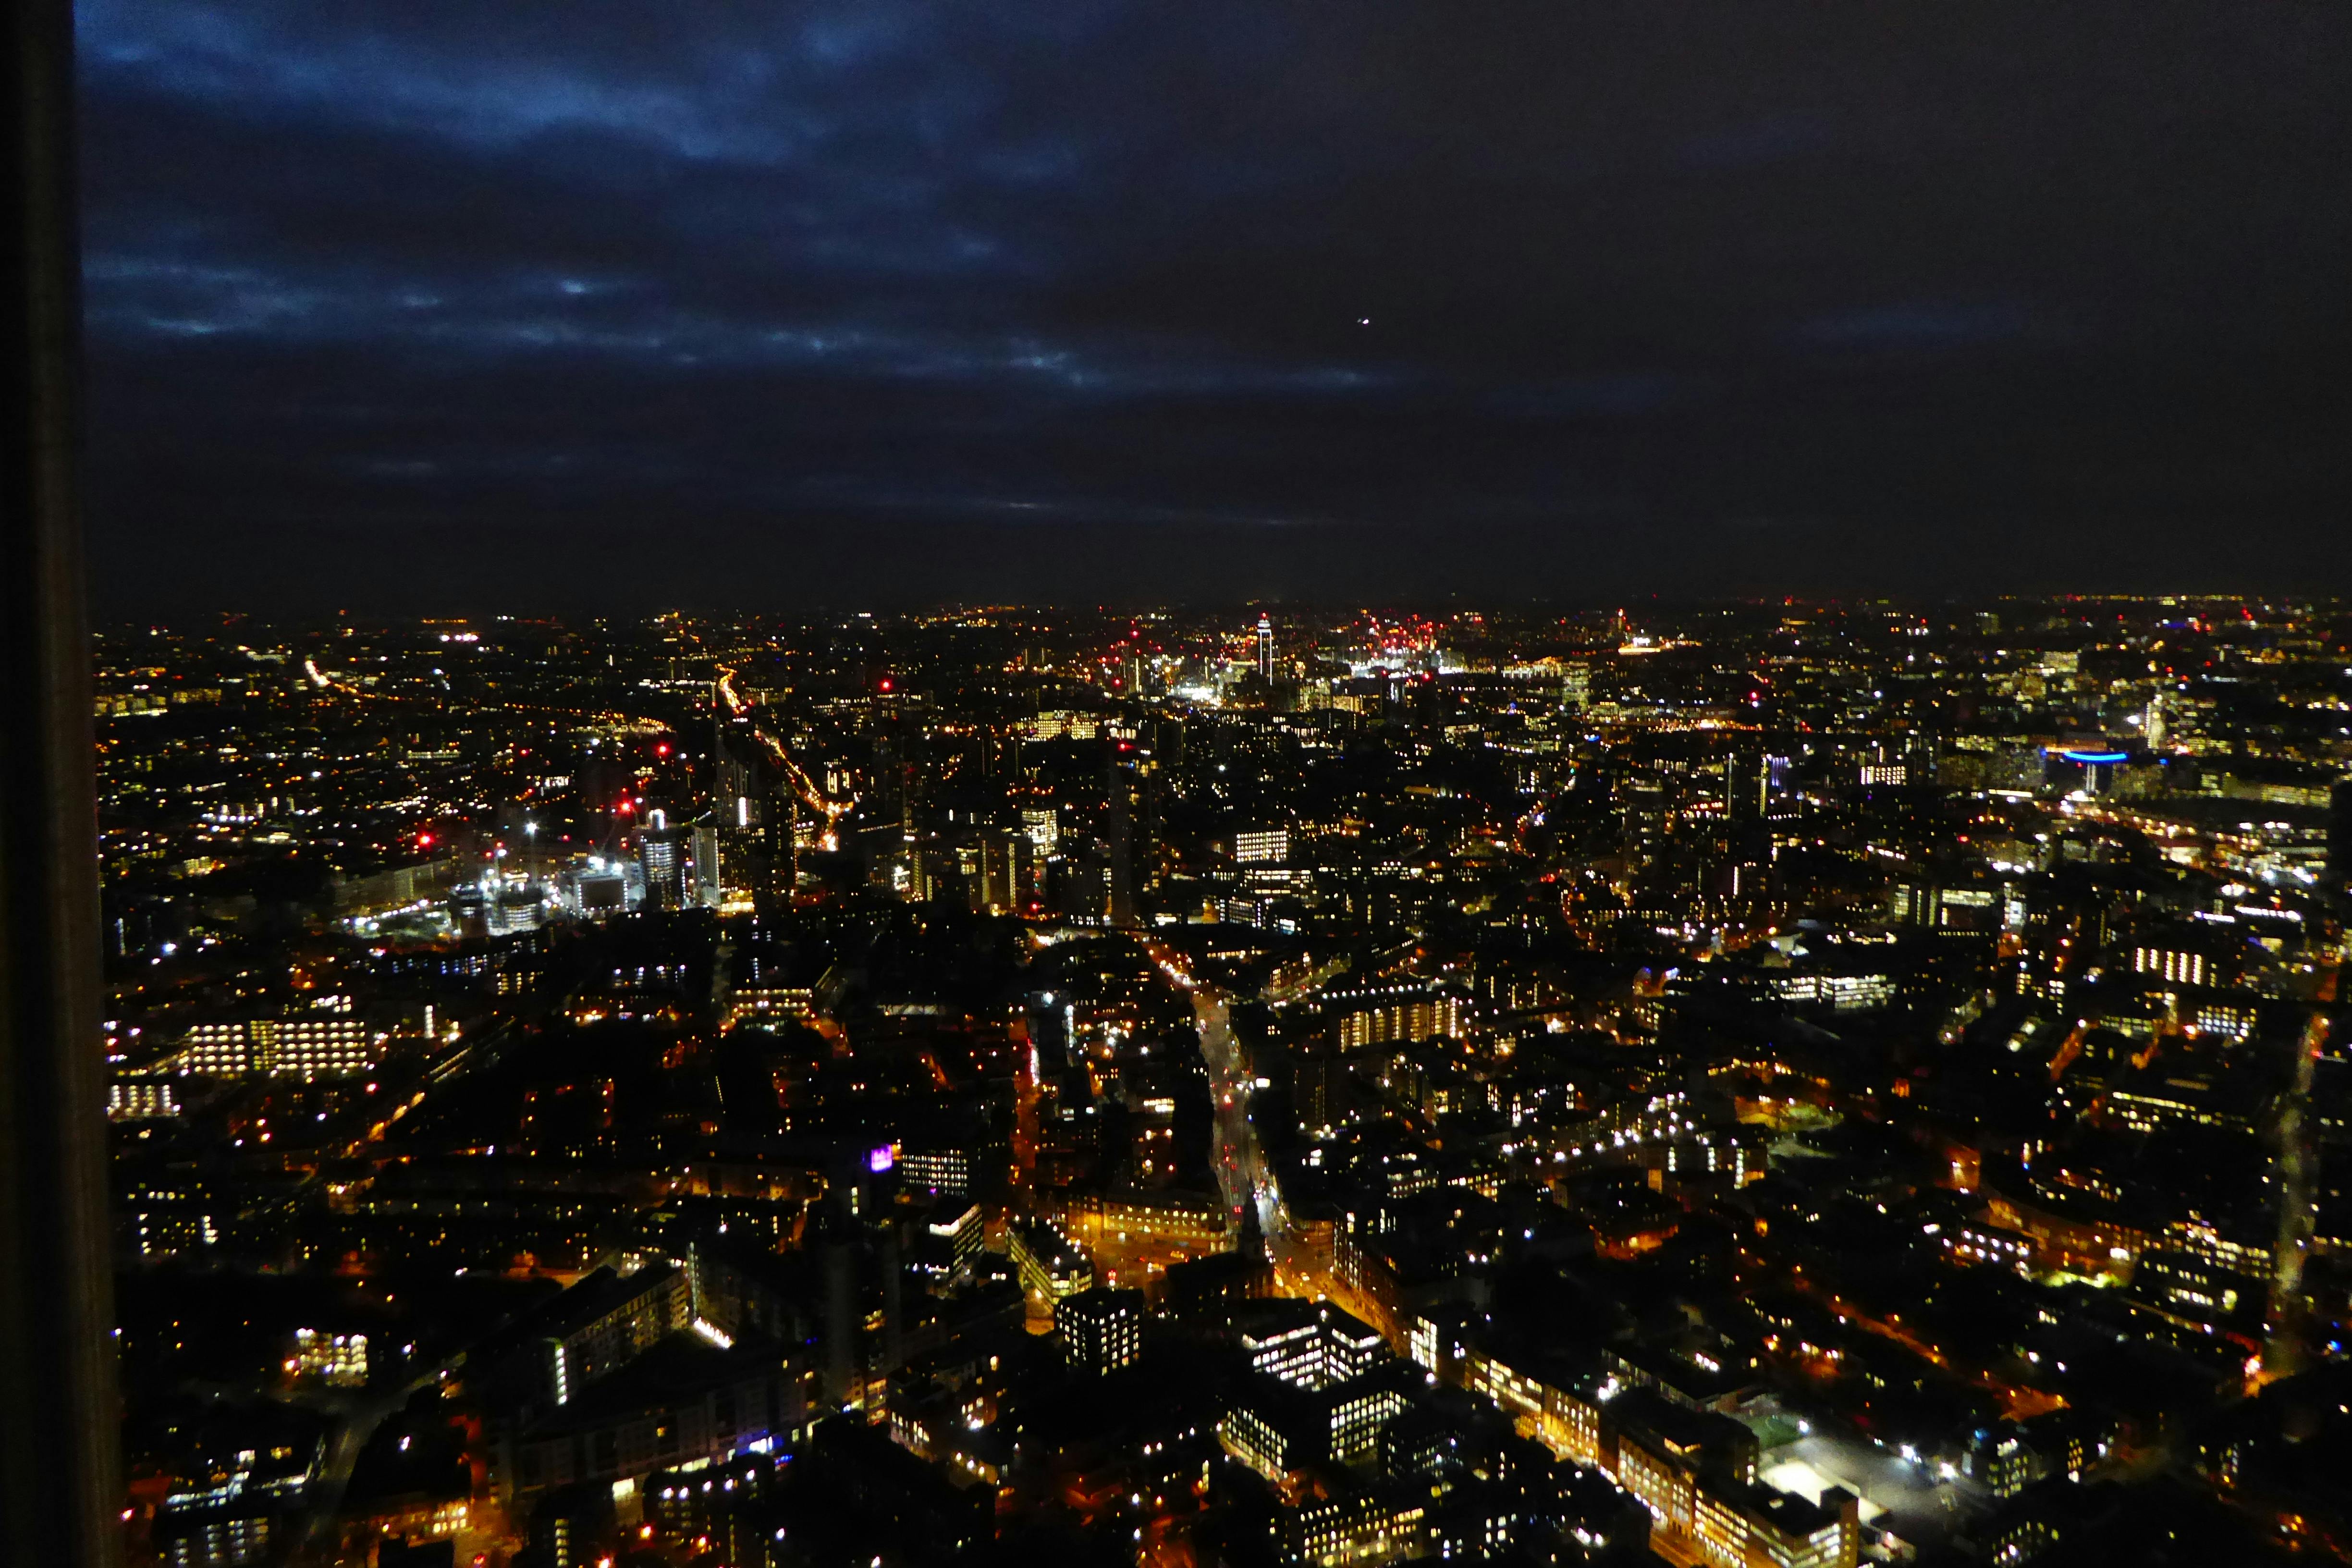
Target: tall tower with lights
{"type": "Point", "coordinates": [1265, 645]}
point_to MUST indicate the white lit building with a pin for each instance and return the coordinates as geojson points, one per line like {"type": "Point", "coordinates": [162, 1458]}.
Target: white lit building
{"type": "Point", "coordinates": [305, 1047]}
{"type": "Point", "coordinates": [142, 1099]}
{"type": "Point", "coordinates": [1261, 844]}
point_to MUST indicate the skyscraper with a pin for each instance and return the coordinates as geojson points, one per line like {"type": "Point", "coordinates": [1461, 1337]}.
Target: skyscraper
{"type": "Point", "coordinates": [1265, 645]}
{"type": "Point", "coordinates": [665, 853]}
{"type": "Point", "coordinates": [2339, 832]}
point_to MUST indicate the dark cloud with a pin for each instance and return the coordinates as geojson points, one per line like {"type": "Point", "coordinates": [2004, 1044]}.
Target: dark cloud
{"type": "Point", "coordinates": [874, 300]}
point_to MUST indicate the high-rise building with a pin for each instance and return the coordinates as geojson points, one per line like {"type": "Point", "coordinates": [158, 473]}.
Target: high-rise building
{"type": "Point", "coordinates": [945, 1171]}
{"type": "Point", "coordinates": [1265, 647]}
{"type": "Point", "coordinates": [1121, 842]}
{"type": "Point", "coordinates": [1776, 790]}
{"type": "Point", "coordinates": [663, 851]}
{"type": "Point", "coordinates": [1102, 1329]}
{"type": "Point", "coordinates": [1004, 859]}
{"type": "Point", "coordinates": [944, 1252]}
{"type": "Point", "coordinates": [706, 888]}
{"type": "Point", "coordinates": [1313, 1347]}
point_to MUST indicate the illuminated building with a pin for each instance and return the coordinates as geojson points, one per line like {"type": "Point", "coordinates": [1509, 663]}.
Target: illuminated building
{"type": "Point", "coordinates": [1101, 1329]}
{"type": "Point", "coordinates": [2201, 1238]}
{"type": "Point", "coordinates": [303, 1047]}
{"type": "Point", "coordinates": [226, 1540]}
{"type": "Point", "coordinates": [1278, 1428]}
{"type": "Point", "coordinates": [1198, 1222]}
{"type": "Point", "coordinates": [339, 1361]}
{"type": "Point", "coordinates": [608, 1318]}
{"type": "Point", "coordinates": [945, 1171]}
{"type": "Point", "coordinates": [1360, 1531]}
{"type": "Point", "coordinates": [1969, 1242]}
{"type": "Point", "coordinates": [684, 1399]}
{"type": "Point", "coordinates": [1758, 1527]}
{"type": "Point", "coordinates": [1043, 827]}
{"type": "Point", "coordinates": [1422, 1017]}
{"type": "Point", "coordinates": [1312, 1346]}
{"type": "Point", "coordinates": [1660, 1448]}
{"type": "Point", "coordinates": [765, 1002]}
{"type": "Point", "coordinates": [141, 1099]}
{"type": "Point", "coordinates": [948, 1244]}
{"type": "Point", "coordinates": [1324, 1389]}
{"type": "Point", "coordinates": [2179, 965]}
{"type": "Point", "coordinates": [1262, 845]}
{"type": "Point", "coordinates": [665, 855]}
{"type": "Point", "coordinates": [1051, 1267]}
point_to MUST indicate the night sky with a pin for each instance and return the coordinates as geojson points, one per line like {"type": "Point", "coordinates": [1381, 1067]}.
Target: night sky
{"type": "Point", "coordinates": [401, 304]}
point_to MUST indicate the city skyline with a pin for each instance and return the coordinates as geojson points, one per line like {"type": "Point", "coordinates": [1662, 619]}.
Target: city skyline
{"type": "Point", "coordinates": [922, 783]}
{"type": "Point", "coordinates": [1783, 1084]}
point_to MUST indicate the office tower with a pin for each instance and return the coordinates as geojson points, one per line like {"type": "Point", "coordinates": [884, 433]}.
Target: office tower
{"type": "Point", "coordinates": [1270, 844]}
{"type": "Point", "coordinates": [1777, 789]}
{"type": "Point", "coordinates": [707, 886]}
{"type": "Point", "coordinates": [949, 1243]}
{"type": "Point", "coordinates": [1265, 647]}
{"type": "Point", "coordinates": [1102, 1329]}
{"type": "Point", "coordinates": [945, 1171]}
{"type": "Point", "coordinates": [1745, 786]}
{"type": "Point", "coordinates": [663, 851]}
{"type": "Point", "coordinates": [1121, 845]}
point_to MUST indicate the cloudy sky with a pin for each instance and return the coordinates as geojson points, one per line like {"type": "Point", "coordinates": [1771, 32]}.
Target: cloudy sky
{"type": "Point", "coordinates": [410, 302]}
